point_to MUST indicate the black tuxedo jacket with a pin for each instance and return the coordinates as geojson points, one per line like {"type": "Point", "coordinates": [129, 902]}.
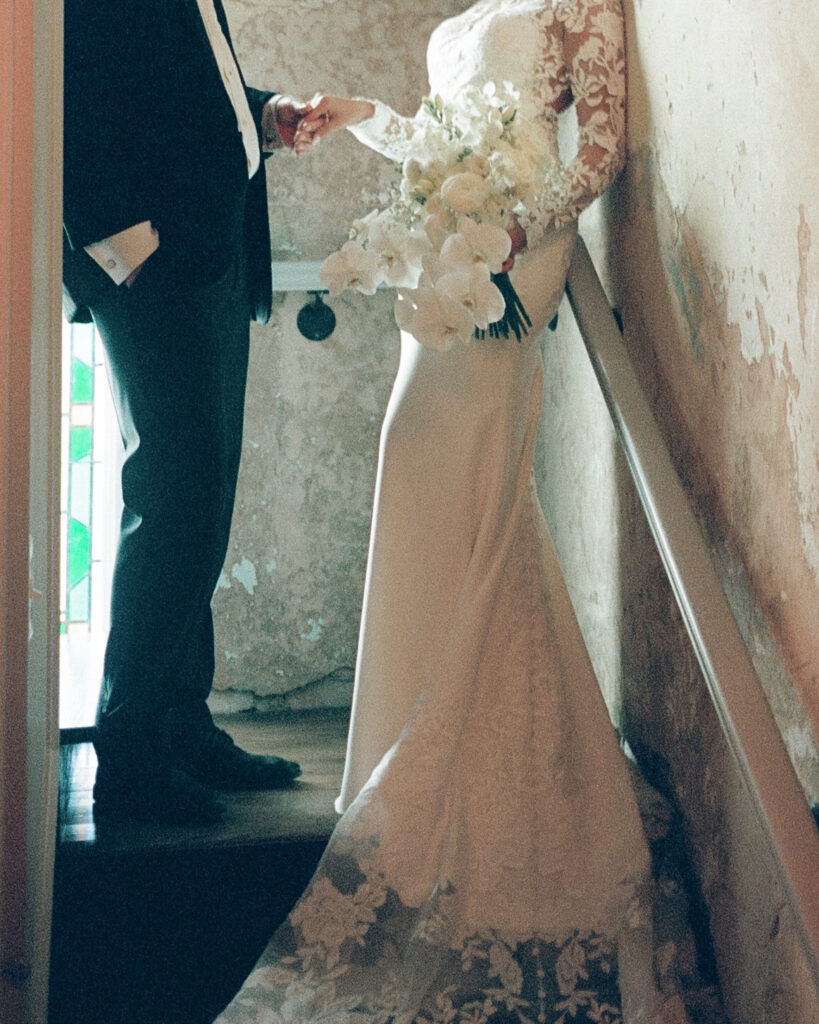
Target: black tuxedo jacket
{"type": "Point", "coordinates": [150, 134]}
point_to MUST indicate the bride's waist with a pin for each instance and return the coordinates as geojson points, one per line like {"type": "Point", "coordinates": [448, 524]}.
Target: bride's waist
{"type": "Point", "coordinates": [552, 242]}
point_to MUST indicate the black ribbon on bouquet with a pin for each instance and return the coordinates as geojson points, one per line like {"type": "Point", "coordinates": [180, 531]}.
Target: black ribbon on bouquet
{"type": "Point", "coordinates": [514, 319]}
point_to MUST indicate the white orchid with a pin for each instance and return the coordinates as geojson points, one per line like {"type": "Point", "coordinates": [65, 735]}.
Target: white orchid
{"type": "Point", "coordinates": [477, 243]}
{"type": "Point", "coordinates": [399, 251]}
{"type": "Point", "coordinates": [437, 228]}
{"type": "Point", "coordinates": [433, 318]}
{"type": "Point", "coordinates": [476, 292]}
{"type": "Point", "coordinates": [352, 267]}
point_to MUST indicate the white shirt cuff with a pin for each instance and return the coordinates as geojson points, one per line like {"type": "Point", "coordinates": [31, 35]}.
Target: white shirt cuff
{"type": "Point", "coordinates": [121, 254]}
{"type": "Point", "coordinates": [271, 139]}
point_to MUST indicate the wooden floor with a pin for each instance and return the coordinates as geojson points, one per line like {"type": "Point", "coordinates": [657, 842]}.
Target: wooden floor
{"type": "Point", "coordinates": [316, 739]}
{"type": "Point", "coordinates": [162, 925]}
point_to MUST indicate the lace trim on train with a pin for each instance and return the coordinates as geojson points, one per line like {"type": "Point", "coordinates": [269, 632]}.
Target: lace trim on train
{"type": "Point", "coordinates": [353, 953]}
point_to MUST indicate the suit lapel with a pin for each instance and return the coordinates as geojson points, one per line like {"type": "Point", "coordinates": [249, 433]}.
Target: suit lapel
{"type": "Point", "coordinates": [195, 16]}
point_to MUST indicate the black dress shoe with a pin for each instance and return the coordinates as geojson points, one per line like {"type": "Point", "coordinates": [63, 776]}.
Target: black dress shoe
{"type": "Point", "coordinates": [207, 754]}
{"type": "Point", "coordinates": [154, 795]}
{"type": "Point", "coordinates": [136, 780]}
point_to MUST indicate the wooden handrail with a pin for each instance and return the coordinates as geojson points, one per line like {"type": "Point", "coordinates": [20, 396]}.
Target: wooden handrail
{"type": "Point", "coordinates": [736, 692]}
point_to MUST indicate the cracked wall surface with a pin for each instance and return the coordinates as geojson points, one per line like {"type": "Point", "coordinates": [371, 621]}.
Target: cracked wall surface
{"type": "Point", "coordinates": [288, 602]}
{"type": "Point", "coordinates": [707, 247]}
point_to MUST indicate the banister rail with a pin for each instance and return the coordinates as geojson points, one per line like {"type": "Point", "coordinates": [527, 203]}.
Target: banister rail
{"type": "Point", "coordinates": [736, 692]}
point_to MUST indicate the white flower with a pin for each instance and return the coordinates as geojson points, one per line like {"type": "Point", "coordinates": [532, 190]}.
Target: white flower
{"type": "Point", "coordinates": [434, 206]}
{"type": "Point", "coordinates": [476, 162]}
{"type": "Point", "coordinates": [433, 270]}
{"type": "Point", "coordinates": [433, 318]}
{"type": "Point", "coordinates": [437, 229]}
{"type": "Point", "coordinates": [477, 243]}
{"type": "Point", "coordinates": [465, 192]}
{"type": "Point", "coordinates": [469, 166]}
{"type": "Point", "coordinates": [475, 291]}
{"type": "Point", "coordinates": [399, 252]}
{"type": "Point", "coordinates": [412, 170]}
{"type": "Point", "coordinates": [352, 267]}
{"type": "Point", "coordinates": [362, 225]}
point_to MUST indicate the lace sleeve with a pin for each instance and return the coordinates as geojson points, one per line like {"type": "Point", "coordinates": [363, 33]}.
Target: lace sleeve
{"type": "Point", "coordinates": [387, 132]}
{"type": "Point", "coordinates": [594, 53]}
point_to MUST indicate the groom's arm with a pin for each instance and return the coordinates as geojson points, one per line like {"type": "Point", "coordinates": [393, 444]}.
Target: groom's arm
{"type": "Point", "coordinates": [122, 255]}
{"type": "Point", "coordinates": [113, 91]}
{"type": "Point", "coordinates": [107, 93]}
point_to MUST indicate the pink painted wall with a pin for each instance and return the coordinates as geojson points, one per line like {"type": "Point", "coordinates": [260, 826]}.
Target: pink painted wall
{"type": "Point", "coordinates": [712, 231]}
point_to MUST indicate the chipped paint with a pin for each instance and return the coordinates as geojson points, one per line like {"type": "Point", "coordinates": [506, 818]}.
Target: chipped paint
{"type": "Point", "coordinates": [315, 628]}
{"type": "Point", "coordinates": [245, 573]}
{"type": "Point", "coordinates": [705, 246]}
{"type": "Point", "coordinates": [689, 295]}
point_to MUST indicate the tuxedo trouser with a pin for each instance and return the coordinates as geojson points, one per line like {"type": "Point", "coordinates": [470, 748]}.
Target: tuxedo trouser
{"type": "Point", "coordinates": [177, 356]}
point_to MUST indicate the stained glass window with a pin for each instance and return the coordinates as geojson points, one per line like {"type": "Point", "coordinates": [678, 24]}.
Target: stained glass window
{"type": "Point", "coordinates": [78, 477]}
{"type": "Point", "coordinates": [89, 521]}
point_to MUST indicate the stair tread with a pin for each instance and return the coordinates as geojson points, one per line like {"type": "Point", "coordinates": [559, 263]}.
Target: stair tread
{"type": "Point", "coordinates": [316, 739]}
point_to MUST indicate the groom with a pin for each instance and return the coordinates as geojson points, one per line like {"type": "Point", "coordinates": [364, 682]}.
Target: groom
{"type": "Point", "coordinates": [167, 247]}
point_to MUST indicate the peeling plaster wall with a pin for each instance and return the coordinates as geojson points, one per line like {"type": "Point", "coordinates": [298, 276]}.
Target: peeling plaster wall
{"type": "Point", "coordinates": [707, 246]}
{"type": "Point", "coordinates": [288, 602]}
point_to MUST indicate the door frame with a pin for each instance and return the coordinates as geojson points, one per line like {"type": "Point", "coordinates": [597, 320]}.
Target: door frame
{"type": "Point", "coordinates": [30, 327]}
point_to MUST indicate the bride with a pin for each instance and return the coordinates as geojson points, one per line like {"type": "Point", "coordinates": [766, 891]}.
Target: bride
{"type": "Point", "coordinates": [489, 864]}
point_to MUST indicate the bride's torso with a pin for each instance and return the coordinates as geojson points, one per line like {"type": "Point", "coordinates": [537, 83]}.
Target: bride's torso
{"type": "Point", "coordinates": [516, 41]}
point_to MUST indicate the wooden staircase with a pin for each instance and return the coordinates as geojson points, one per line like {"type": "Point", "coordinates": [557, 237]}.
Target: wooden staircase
{"type": "Point", "coordinates": [162, 925]}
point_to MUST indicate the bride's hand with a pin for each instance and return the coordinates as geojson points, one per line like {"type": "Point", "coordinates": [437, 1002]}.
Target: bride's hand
{"type": "Point", "coordinates": [519, 243]}
{"type": "Point", "coordinates": [328, 114]}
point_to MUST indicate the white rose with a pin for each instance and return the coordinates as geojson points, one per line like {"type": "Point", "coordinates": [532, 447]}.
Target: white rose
{"type": "Point", "coordinates": [465, 192]}
{"type": "Point", "coordinates": [477, 163]}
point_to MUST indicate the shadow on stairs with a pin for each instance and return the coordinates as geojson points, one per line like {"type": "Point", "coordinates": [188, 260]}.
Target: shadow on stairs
{"type": "Point", "coordinates": [162, 925]}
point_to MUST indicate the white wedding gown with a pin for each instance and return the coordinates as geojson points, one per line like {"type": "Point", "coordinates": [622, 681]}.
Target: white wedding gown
{"type": "Point", "coordinates": [490, 864]}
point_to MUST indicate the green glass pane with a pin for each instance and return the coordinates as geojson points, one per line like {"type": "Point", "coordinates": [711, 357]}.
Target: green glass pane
{"type": "Point", "coordinates": [79, 552]}
{"type": "Point", "coordinates": [63, 628]}
{"type": "Point", "coordinates": [82, 381]}
{"type": "Point", "coordinates": [79, 601]}
{"type": "Point", "coordinates": [80, 445]}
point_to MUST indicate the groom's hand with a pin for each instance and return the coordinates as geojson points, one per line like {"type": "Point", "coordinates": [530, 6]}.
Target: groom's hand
{"type": "Point", "coordinates": [327, 114]}
{"type": "Point", "coordinates": [289, 115]}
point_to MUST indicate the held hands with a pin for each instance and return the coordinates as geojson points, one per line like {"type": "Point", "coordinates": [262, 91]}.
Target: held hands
{"type": "Point", "coordinates": [289, 114]}
{"type": "Point", "coordinates": [328, 114]}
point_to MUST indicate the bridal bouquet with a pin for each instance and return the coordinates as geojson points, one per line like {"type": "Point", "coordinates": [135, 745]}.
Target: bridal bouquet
{"type": "Point", "coordinates": [470, 170]}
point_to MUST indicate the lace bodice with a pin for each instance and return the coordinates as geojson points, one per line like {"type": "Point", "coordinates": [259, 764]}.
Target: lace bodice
{"type": "Point", "coordinates": [554, 52]}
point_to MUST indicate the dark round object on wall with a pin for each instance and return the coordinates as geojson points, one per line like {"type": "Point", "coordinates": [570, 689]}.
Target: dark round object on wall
{"type": "Point", "coordinates": [315, 320]}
